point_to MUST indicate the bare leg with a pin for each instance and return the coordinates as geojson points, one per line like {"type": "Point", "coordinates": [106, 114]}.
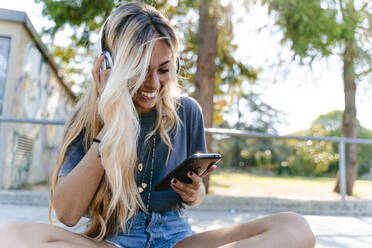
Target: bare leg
{"type": "Point", "coordinates": [38, 235]}
{"type": "Point", "coordinates": [287, 230]}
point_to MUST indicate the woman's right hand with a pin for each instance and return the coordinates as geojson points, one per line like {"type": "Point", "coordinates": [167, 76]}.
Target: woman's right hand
{"type": "Point", "coordinates": [100, 76]}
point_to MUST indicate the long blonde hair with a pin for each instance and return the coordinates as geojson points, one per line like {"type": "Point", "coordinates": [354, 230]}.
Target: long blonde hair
{"type": "Point", "coordinates": [130, 34]}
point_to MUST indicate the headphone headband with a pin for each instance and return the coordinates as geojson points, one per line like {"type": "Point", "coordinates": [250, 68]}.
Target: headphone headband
{"type": "Point", "coordinates": [108, 62]}
{"type": "Point", "coordinates": [101, 38]}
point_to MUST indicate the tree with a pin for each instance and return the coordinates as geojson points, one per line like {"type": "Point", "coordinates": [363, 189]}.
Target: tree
{"type": "Point", "coordinates": [319, 28]}
{"type": "Point", "coordinates": [206, 68]}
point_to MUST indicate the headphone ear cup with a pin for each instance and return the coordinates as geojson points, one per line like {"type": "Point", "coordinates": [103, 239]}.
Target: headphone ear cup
{"type": "Point", "coordinates": [178, 65]}
{"type": "Point", "coordinates": [108, 62]}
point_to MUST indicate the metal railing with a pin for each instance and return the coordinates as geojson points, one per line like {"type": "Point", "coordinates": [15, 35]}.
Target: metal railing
{"type": "Point", "coordinates": [29, 120]}
{"type": "Point", "coordinates": [233, 132]}
{"type": "Point", "coordinates": [340, 140]}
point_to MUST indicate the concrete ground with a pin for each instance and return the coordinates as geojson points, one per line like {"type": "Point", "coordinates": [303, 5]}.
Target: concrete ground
{"type": "Point", "coordinates": [330, 231]}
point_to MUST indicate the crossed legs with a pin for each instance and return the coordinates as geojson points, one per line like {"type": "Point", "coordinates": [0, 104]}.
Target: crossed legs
{"type": "Point", "coordinates": [281, 230]}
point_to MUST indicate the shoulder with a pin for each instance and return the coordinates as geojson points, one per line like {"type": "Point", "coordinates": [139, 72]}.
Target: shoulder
{"type": "Point", "coordinates": [190, 105]}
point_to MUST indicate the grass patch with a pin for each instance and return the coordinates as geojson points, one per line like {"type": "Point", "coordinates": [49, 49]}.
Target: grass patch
{"type": "Point", "coordinates": [232, 183]}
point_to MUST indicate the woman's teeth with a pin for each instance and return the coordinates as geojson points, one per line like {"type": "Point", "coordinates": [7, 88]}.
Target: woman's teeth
{"type": "Point", "coordinates": [149, 95]}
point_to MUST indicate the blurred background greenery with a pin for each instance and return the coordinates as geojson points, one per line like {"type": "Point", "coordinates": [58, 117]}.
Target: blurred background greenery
{"type": "Point", "coordinates": [311, 30]}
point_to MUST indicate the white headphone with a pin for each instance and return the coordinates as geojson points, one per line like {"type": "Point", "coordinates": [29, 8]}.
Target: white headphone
{"type": "Point", "coordinates": [108, 63]}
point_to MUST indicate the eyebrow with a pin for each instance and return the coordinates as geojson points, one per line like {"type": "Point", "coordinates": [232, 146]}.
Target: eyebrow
{"type": "Point", "coordinates": [165, 62]}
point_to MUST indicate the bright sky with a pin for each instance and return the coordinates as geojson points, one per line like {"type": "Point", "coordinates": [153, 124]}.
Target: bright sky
{"type": "Point", "coordinates": [302, 94]}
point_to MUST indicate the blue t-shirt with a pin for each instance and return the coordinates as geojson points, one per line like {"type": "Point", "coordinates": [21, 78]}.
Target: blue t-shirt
{"type": "Point", "coordinates": [188, 139]}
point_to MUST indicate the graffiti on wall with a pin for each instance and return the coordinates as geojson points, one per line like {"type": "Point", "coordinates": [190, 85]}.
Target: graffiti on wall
{"type": "Point", "coordinates": [30, 84]}
{"type": "Point", "coordinates": [4, 55]}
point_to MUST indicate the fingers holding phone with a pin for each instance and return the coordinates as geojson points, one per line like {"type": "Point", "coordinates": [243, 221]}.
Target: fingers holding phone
{"type": "Point", "coordinates": [181, 187]}
{"type": "Point", "coordinates": [210, 170]}
{"type": "Point", "coordinates": [191, 193]}
{"type": "Point", "coordinates": [100, 76]}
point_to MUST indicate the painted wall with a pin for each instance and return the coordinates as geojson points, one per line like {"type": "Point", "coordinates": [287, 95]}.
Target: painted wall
{"type": "Point", "coordinates": [4, 57]}
{"type": "Point", "coordinates": [31, 91]}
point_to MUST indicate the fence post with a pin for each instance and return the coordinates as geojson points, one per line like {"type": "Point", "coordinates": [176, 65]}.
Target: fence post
{"type": "Point", "coordinates": [342, 168]}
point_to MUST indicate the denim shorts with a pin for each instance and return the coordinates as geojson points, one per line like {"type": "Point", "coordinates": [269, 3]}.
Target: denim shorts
{"type": "Point", "coordinates": [157, 229]}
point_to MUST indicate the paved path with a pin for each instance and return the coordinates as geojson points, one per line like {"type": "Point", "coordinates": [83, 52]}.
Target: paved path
{"type": "Point", "coordinates": [330, 231]}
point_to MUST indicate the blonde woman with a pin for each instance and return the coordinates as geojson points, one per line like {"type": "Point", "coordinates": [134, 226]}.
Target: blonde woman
{"type": "Point", "coordinates": [128, 132]}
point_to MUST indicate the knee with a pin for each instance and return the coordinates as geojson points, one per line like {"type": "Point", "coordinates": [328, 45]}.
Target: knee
{"type": "Point", "coordinates": [9, 229]}
{"type": "Point", "coordinates": [298, 229]}
{"type": "Point", "coordinates": [10, 234]}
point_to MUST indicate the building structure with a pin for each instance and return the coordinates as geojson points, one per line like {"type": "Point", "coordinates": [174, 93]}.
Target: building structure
{"type": "Point", "coordinates": [30, 87]}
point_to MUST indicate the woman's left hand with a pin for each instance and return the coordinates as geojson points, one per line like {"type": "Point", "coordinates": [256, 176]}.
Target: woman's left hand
{"type": "Point", "coordinates": [192, 193]}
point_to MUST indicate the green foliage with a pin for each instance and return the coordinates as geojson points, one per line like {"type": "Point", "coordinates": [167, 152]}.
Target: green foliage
{"type": "Point", "coordinates": [76, 13]}
{"type": "Point", "coordinates": [308, 26]}
{"type": "Point", "coordinates": [311, 157]}
{"type": "Point", "coordinates": [364, 152]}
{"type": "Point", "coordinates": [317, 28]}
{"type": "Point", "coordinates": [330, 122]}
{"type": "Point", "coordinates": [319, 157]}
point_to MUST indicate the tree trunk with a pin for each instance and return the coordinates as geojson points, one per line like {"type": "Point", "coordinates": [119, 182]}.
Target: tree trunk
{"type": "Point", "coordinates": [206, 68]}
{"type": "Point", "coordinates": [350, 122]}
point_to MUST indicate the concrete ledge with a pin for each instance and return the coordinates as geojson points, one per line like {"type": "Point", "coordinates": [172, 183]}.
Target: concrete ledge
{"type": "Point", "coordinates": [24, 197]}
{"type": "Point", "coordinates": [230, 203]}
{"type": "Point", "coordinates": [266, 204]}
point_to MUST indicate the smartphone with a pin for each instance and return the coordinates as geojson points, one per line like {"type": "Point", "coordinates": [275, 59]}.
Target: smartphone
{"type": "Point", "coordinates": [197, 163]}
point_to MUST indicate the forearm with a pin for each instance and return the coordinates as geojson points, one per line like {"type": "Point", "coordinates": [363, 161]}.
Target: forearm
{"type": "Point", "coordinates": [74, 192]}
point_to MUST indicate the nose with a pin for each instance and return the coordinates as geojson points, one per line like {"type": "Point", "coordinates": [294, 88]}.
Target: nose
{"type": "Point", "coordinates": [152, 81]}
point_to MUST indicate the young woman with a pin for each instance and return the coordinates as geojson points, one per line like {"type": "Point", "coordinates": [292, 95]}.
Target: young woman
{"type": "Point", "coordinates": [127, 133]}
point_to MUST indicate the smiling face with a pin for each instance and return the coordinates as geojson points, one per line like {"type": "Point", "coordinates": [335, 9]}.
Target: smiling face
{"type": "Point", "coordinates": [147, 95]}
